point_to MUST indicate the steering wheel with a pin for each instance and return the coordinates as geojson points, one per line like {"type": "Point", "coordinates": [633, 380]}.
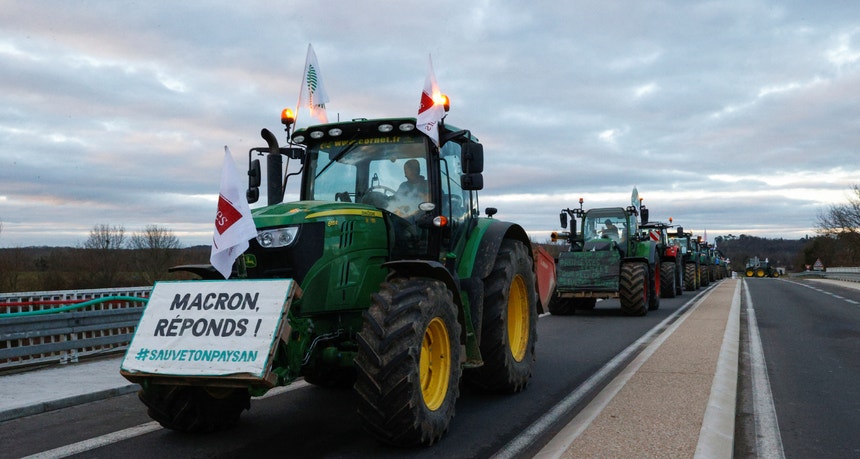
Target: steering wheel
{"type": "Point", "coordinates": [388, 192]}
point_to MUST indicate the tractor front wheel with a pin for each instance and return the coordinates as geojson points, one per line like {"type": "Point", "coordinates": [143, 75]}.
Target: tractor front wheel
{"type": "Point", "coordinates": [690, 277]}
{"type": "Point", "coordinates": [633, 289]}
{"type": "Point", "coordinates": [408, 363]}
{"type": "Point", "coordinates": [509, 324]}
{"type": "Point", "coordinates": [194, 409]}
{"type": "Point", "coordinates": [667, 279]}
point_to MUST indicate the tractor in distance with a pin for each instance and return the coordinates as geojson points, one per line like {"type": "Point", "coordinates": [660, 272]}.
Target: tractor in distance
{"type": "Point", "coordinates": [706, 269]}
{"type": "Point", "coordinates": [718, 269]}
{"type": "Point", "coordinates": [607, 258]}
{"type": "Point", "coordinates": [755, 267]}
{"type": "Point", "coordinates": [690, 254]}
{"type": "Point", "coordinates": [401, 293]}
{"type": "Point", "coordinates": [671, 258]}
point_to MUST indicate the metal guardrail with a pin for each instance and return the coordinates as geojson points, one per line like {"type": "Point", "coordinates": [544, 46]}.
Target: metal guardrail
{"type": "Point", "coordinates": [63, 326]}
{"type": "Point", "coordinates": [843, 269]}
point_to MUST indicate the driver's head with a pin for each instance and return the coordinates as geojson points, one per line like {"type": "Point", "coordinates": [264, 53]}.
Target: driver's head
{"type": "Point", "coordinates": [411, 169]}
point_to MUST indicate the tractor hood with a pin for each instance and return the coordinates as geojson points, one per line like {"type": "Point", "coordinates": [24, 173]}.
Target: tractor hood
{"type": "Point", "coordinates": [299, 212]}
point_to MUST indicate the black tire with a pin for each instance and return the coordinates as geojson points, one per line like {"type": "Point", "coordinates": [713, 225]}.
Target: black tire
{"type": "Point", "coordinates": [704, 277]}
{"type": "Point", "coordinates": [690, 277]}
{"type": "Point", "coordinates": [680, 278]}
{"type": "Point", "coordinates": [633, 289]}
{"type": "Point", "coordinates": [509, 323]}
{"type": "Point", "coordinates": [408, 363]}
{"type": "Point", "coordinates": [561, 306]}
{"type": "Point", "coordinates": [667, 279]}
{"type": "Point", "coordinates": [194, 409]}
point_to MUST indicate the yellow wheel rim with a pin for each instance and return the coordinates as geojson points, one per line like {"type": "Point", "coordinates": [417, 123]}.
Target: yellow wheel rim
{"type": "Point", "coordinates": [518, 318]}
{"type": "Point", "coordinates": [435, 365]}
{"type": "Point", "coordinates": [760, 273]}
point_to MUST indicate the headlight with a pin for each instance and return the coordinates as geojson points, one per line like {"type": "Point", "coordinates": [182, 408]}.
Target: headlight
{"type": "Point", "coordinates": [280, 237]}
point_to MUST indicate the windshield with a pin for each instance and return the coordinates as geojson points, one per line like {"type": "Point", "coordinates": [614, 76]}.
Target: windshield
{"type": "Point", "coordinates": [605, 225]}
{"type": "Point", "coordinates": [387, 172]}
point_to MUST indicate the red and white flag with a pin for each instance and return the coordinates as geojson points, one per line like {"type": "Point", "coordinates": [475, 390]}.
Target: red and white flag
{"type": "Point", "coordinates": [432, 106]}
{"type": "Point", "coordinates": [234, 225]}
{"type": "Point", "coordinates": [312, 94]}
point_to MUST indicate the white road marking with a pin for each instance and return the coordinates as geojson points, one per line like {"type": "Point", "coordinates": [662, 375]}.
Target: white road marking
{"type": "Point", "coordinates": [136, 431]}
{"type": "Point", "coordinates": [768, 438]}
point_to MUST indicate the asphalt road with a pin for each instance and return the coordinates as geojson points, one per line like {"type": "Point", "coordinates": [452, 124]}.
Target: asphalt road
{"type": "Point", "coordinates": [810, 337]}
{"type": "Point", "coordinates": [316, 422]}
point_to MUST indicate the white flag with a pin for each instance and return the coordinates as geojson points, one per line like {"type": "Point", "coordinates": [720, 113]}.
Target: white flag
{"type": "Point", "coordinates": [432, 106]}
{"type": "Point", "coordinates": [312, 94]}
{"type": "Point", "coordinates": [234, 225]}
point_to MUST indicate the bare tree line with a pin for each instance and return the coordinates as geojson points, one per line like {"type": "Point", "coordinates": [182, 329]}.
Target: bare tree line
{"type": "Point", "coordinates": [108, 258]}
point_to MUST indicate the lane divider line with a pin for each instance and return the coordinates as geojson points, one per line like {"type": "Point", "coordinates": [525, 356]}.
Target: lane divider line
{"type": "Point", "coordinates": [768, 437]}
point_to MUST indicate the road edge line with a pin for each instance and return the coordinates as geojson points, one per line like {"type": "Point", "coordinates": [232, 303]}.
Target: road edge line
{"type": "Point", "coordinates": [717, 435]}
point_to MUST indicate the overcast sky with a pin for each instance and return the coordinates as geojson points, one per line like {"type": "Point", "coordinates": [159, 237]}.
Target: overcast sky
{"type": "Point", "coordinates": [731, 116]}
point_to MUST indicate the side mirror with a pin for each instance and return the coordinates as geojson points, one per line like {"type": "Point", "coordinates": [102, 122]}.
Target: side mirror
{"type": "Point", "coordinates": [562, 218]}
{"type": "Point", "coordinates": [473, 158]}
{"type": "Point", "coordinates": [644, 214]}
{"type": "Point", "coordinates": [472, 181]}
{"type": "Point", "coordinates": [253, 193]}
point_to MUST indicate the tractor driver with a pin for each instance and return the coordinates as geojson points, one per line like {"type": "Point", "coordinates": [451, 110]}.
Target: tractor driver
{"type": "Point", "coordinates": [412, 192]}
{"type": "Point", "coordinates": [610, 230]}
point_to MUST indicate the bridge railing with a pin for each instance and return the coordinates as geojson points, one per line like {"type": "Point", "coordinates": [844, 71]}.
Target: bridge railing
{"type": "Point", "coordinates": [65, 325]}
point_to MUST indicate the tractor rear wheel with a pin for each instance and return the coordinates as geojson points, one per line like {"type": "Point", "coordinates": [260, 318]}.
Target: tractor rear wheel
{"type": "Point", "coordinates": [633, 289]}
{"type": "Point", "coordinates": [690, 277]}
{"type": "Point", "coordinates": [408, 362]}
{"type": "Point", "coordinates": [194, 409]}
{"type": "Point", "coordinates": [667, 279]}
{"type": "Point", "coordinates": [509, 323]}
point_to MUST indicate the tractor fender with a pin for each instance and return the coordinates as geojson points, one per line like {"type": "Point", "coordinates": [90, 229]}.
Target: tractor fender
{"type": "Point", "coordinates": [489, 243]}
{"type": "Point", "coordinates": [426, 268]}
{"type": "Point", "coordinates": [648, 253]}
{"type": "Point", "coordinates": [478, 258]}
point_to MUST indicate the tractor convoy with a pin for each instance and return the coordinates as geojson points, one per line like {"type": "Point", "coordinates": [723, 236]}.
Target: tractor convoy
{"type": "Point", "coordinates": [385, 276]}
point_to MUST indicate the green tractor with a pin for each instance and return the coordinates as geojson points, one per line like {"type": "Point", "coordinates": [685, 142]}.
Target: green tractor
{"type": "Point", "coordinates": [755, 267]}
{"type": "Point", "coordinates": [691, 256]}
{"type": "Point", "coordinates": [607, 258]}
{"type": "Point", "coordinates": [405, 288]}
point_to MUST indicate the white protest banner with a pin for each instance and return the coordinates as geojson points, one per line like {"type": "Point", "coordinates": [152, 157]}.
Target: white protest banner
{"type": "Point", "coordinates": [210, 328]}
